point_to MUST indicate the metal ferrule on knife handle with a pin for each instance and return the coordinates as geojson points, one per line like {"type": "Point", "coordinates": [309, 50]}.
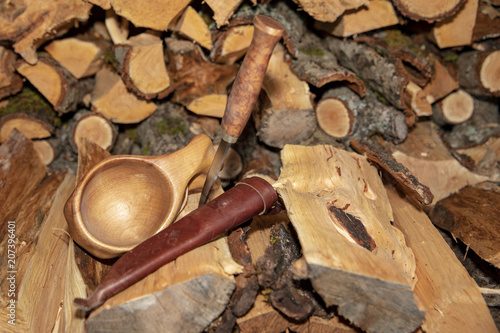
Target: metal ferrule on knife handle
{"type": "Point", "coordinates": [248, 82]}
{"type": "Point", "coordinates": [250, 197]}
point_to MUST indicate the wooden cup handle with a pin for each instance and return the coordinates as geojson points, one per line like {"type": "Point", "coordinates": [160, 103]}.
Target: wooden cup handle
{"type": "Point", "coordinates": [248, 82]}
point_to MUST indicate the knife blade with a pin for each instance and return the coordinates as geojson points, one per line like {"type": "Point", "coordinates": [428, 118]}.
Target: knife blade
{"type": "Point", "coordinates": [244, 93]}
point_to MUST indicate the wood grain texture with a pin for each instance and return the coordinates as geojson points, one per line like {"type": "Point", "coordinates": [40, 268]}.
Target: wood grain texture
{"type": "Point", "coordinates": [370, 281]}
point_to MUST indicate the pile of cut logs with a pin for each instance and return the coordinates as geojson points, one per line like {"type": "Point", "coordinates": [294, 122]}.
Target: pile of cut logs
{"type": "Point", "coordinates": [378, 125]}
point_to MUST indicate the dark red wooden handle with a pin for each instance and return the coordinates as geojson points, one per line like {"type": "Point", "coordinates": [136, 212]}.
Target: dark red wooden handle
{"type": "Point", "coordinates": [250, 197]}
{"type": "Point", "coordinates": [248, 82]}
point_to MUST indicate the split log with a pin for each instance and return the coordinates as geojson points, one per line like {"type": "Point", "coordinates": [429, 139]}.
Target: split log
{"type": "Point", "coordinates": [155, 16]}
{"type": "Point", "coordinates": [443, 289]}
{"type": "Point", "coordinates": [192, 26]}
{"type": "Point", "coordinates": [482, 159]}
{"type": "Point", "coordinates": [200, 85]}
{"type": "Point", "coordinates": [141, 64]}
{"type": "Point", "coordinates": [10, 82]}
{"type": "Point", "coordinates": [56, 83]}
{"type": "Point", "coordinates": [197, 285]}
{"type": "Point", "coordinates": [355, 258]}
{"type": "Point", "coordinates": [479, 72]}
{"type": "Point", "coordinates": [47, 149]}
{"type": "Point", "coordinates": [440, 84]}
{"type": "Point", "coordinates": [80, 55]}
{"type": "Point", "coordinates": [379, 72]}
{"type": "Point", "coordinates": [374, 15]}
{"type": "Point", "coordinates": [487, 22]}
{"type": "Point", "coordinates": [428, 11]}
{"type": "Point", "coordinates": [223, 10]}
{"type": "Point", "coordinates": [37, 226]}
{"type": "Point", "coordinates": [286, 114]}
{"type": "Point", "coordinates": [30, 114]}
{"type": "Point", "coordinates": [20, 174]}
{"type": "Point", "coordinates": [166, 131]}
{"type": "Point", "coordinates": [483, 125]}
{"type": "Point", "coordinates": [91, 126]}
{"type": "Point", "coordinates": [264, 163]}
{"type": "Point", "coordinates": [416, 99]}
{"type": "Point", "coordinates": [429, 160]}
{"type": "Point", "coordinates": [30, 25]}
{"type": "Point", "coordinates": [263, 318]}
{"type": "Point", "coordinates": [455, 108]}
{"type": "Point", "coordinates": [344, 115]}
{"type": "Point", "coordinates": [471, 215]}
{"type": "Point", "coordinates": [232, 43]}
{"type": "Point", "coordinates": [111, 98]}
{"type": "Point", "coordinates": [329, 11]}
{"type": "Point", "coordinates": [457, 30]}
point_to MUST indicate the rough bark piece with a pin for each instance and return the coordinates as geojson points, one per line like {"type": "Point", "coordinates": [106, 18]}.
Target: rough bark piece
{"type": "Point", "coordinates": [428, 159]}
{"type": "Point", "coordinates": [287, 115]}
{"type": "Point", "coordinates": [197, 79]}
{"type": "Point", "coordinates": [81, 55]}
{"type": "Point", "coordinates": [454, 109]}
{"type": "Point", "coordinates": [457, 29]}
{"type": "Point", "coordinates": [111, 98]}
{"type": "Point", "coordinates": [411, 60]}
{"type": "Point", "coordinates": [223, 10]}
{"type": "Point", "coordinates": [142, 66]}
{"type": "Point", "coordinates": [56, 83]}
{"type": "Point", "coordinates": [312, 61]}
{"type": "Point", "coordinates": [356, 259]}
{"type": "Point", "coordinates": [192, 26]}
{"type": "Point", "coordinates": [471, 215]}
{"type": "Point", "coordinates": [426, 10]}
{"type": "Point", "coordinates": [155, 15]}
{"type": "Point", "coordinates": [93, 127]}
{"type": "Point", "coordinates": [374, 15]}
{"type": "Point", "coordinates": [184, 295]}
{"type": "Point", "coordinates": [231, 44]}
{"type": "Point", "coordinates": [10, 82]}
{"type": "Point", "coordinates": [369, 115]}
{"type": "Point", "coordinates": [379, 72]}
{"type": "Point", "coordinates": [166, 131]}
{"type": "Point", "coordinates": [29, 25]}
{"type": "Point", "coordinates": [378, 155]}
{"type": "Point", "coordinates": [444, 290]}
{"type": "Point", "coordinates": [479, 72]}
{"type": "Point", "coordinates": [328, 11]}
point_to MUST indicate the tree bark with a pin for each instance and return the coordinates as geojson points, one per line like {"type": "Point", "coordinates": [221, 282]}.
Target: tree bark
{"type": "Point", "coordinates": [478, 72]}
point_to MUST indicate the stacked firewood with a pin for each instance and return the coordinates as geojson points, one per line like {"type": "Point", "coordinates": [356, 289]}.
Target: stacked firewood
{"type": "Point", "coordinates": [377, 122]}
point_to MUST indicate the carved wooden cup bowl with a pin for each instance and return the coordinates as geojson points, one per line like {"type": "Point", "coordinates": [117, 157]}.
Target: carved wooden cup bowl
{"type": "Point", "coordinates": [123, 200]}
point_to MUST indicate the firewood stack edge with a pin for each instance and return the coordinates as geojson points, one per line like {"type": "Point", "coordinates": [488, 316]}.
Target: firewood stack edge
{"type": "Point", "coordinates": [378, 125]}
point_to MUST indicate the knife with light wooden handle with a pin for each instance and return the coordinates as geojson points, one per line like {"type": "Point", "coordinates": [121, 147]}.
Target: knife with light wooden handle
{"type": "Point", "coordinates": [244, 93]}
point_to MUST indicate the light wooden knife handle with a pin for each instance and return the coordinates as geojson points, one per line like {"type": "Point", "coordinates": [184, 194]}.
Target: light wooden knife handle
{"type": "Point", "coordinates": [248, 82]}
